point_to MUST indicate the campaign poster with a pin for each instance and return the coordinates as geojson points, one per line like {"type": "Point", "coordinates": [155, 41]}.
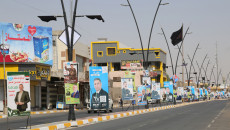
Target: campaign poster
{"type": "Point", "coordinates": [142, 96]}
{"type": "Point", "coordinates": [156, 90]}
{"type": "Point", "coordinates": [98, 76]}
{"type": "Point", "coordinates": [163, 93]}
{"type": "Point", "coordinates": [179, 93]}
{"type": "Point", "coordinates": [201, 92]}
{"type": "Point", "coordinates": [146, 80]}
{"type": "Point", "coordinates": [193, 90]}
{"type": "Point", "coordinates": [72, 94]}
{"type": "Point", "coordinates": [169, 87]}
{"type": "Point", "coordinates": [26, 43]}
{"type": "Point", "coordinates": [18, 93]}
{"type": "Point", "coordinates": [148, 91]}
{"type": "Point", "coordinates": [70, 72]}
{"type": "Point", "coordinates": [131, 74]}
{"type": "Point", "coordinates": [127, 88]}
{"type": "Point", "coordinates": [206, 92]}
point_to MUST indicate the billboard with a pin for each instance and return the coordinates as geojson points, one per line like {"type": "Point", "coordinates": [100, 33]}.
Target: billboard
{"type": "Point", "coordinates": [127, 88]}
{"type": "Point", "coordinates": [142, 96]}
{"type": "Point", "coordinates": [26, 43]}
{"type": "Point", "coordinates": [201, 92]}
{"type": "Point", "coordinates": [156, 91]}
{"type": "Point", "coordinates": [72, 94]}
{"type": "Point", "coordinates": [98, 76]}
{"type": "Point", "coordinates": [18, 93]}
{"type": "Point", "coordinates": [131, 64]}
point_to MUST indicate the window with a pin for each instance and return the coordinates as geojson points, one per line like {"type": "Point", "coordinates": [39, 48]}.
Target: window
{"type": "Point", "coordinates": [63, 54]}
{"type": "Point", "coordinates": [117, 66]}
{"type": "Point", "coordinates": [157, 54]}
{"type": "Point", "coordinates": [99, 53]}
{"type": "Point", "coordinates": [111, 51]}
{"type": "Point", "coordinates": [124, 51]}
{"type": "Point", "coordinates": [118, 51]}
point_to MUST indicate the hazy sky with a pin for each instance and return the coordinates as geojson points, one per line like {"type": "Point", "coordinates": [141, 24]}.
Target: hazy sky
{"type": "Point", "coordinates": [208, 21]}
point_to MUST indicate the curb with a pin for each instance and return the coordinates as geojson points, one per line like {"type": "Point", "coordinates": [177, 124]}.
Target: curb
{"type": "Point", "coordinates": [102, 118]}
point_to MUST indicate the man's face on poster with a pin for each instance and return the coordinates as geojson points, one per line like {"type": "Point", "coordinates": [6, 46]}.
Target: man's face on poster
{"type": "Point", "coordinates": [97, 85]}
{"type": "Point", "coordinates": [167, 90]}
{"type": "Point", "coordinates": [143, 92]}
{"type": "Point", "coordinates": [75, 88]}
{"type": "Point", "coordinates": [154, 88]}
{"type": "Point", "coordinates": [21, 87]}
{"type": "Point", "coordinates": [71, 66]}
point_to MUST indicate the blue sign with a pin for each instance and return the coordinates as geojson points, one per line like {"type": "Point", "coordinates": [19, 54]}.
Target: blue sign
{"type": "Point", "coordinates": [201, 92]}
{"type": "Point", "coordinates": [193, 90]}
{"type": "Point", "coordinates": [169, 87]}
{"type": "Point", "coordinates": [98, 87]}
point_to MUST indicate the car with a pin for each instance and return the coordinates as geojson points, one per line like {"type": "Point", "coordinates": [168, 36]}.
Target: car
{"type": "Point", "coordinates": [110, 109]}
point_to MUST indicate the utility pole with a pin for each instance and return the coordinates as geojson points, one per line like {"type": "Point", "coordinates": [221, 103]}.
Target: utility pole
{"type": "Point", "coordinates": [183, 65]}
{"type": "Point", "coordinates": [217, 66]}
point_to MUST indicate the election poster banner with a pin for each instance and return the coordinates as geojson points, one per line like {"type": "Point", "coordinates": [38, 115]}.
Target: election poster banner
{"type": "Point", "coordinates": [18, 93]}
{"type": "Point", "coordinates": [131, 74]}
{"type": "Point", "coordinates": [169, 90]}
{"type": "Point", "coordinates": [70, 72]}
{"type": "Point", "coordinates": [142, 96]}
{"type": "Point", "coordinates": [156, 90]}
{"type": "Point", "coordinates": [72, 94]}
{"type": "Point", "coordinates": [146, 80]}
{"type": "Point", "coordinates": [127, 88]}
{"type": "Point", "coordinates": [99, 90]}
{"type": "Point", "coordinates": [26, 43]}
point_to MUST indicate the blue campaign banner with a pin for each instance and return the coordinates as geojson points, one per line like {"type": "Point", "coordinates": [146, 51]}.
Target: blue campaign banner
{"type": "Point", "coordinates": [169, 87]}
{"type": "Point", "coordinates": [127, 88]}
{"type": "Point", "coordinates": [142, 95]}
{"type": "Point", "coordinates": [206, 92]}
{"type": "Point", "coordinates": [26, 43]}
{"type": "Point", "coordinates": [98, 77]}
{"type": "Point", "coordinates": [193, 90]}
{"type": "Point", "coordinates": [201, 92]}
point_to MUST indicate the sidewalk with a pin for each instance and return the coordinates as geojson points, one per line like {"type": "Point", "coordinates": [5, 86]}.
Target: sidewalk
{"type": "Point", "coordinates": [105, 117]}
{"type": "Point", "coordinates": [55, 111]}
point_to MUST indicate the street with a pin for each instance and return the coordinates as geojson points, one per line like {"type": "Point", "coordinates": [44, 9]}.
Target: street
{"type": "Point", "coordinates": [20, 122]}
{"type": "Point", "coordinates": [212, 115]}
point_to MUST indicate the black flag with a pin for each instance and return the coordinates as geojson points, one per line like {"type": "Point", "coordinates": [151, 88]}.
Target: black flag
{"type": "Point", "coordinates": [177, 36]}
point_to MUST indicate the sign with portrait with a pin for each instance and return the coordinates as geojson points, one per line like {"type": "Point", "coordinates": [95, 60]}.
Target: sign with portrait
{"type": "Point", "coordinates": [169, 90]}
{"type": "Point", "coordinates": [72, 94]}
{"type": "Point", "coordinates": [131, 64]}
{"type": "Point", "coordinates": [142, 95]}
{"type": "Point", "coordinates": [70, 72]}
{"type": "Point", "coordinates": [98, 76]}
{"type": "Point", "coordinates": [131, 74]}
{"type": "Point", "coordinates": [127, 88]}
{"type": "Point", "coordinates": [146, 80]}
{"type": "Point", "coordinates": [18, 93]}
{"type": "Point", "coordinates": [156, 90]}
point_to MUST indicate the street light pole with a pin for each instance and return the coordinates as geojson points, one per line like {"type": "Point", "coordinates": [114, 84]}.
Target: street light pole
{"type": "Point", "coordinates": [200, 68]}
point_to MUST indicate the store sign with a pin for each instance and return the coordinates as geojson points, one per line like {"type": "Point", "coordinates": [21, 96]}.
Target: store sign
{"type": "Point", "coordinates": [131, 64]}
{"type": "Point", "coordinates": [37, 72]}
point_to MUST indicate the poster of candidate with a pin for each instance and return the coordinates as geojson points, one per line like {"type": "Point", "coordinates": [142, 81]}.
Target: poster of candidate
{"type": "Point", "coordinates": [127, 88]}
{"type": "Point", "coordinates": [70, 72]}
{"type": "Point", "coordinates": [131, 74]}
{"type": "Point", "coordinates": [99, 90]}
{"type": "Point", "coordinates": [146, 80]}
{"type": "Point", "coordinates": [18, 93]}
{"type": "Point", "coordinates": [169, 90]}
{"type": "Point", "coordinates": [142, 96]}
{"type": "Point", "coordinates": [72, 94]}
{"type": "Point", "coordinates": [156, 90]}
{"type": "Point", "coordinates": [201, 92]}
{"type": "Point", "coordinates": [163, 94]}
{"type": "Point", "coordinates": [26, 43]}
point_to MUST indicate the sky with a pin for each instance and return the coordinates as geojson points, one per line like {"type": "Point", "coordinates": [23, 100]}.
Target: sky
{"type": "Point", "coordinates": [208, 22]}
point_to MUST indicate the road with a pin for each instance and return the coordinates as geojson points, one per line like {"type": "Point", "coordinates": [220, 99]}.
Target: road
{"type": "Point", "coordinates": [214, 115]}
{"type": "Point", "coordinates": [20, 122]}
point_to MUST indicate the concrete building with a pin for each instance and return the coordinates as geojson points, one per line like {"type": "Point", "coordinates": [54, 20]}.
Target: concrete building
{"type": "Point", "coordinates": [109, 53]}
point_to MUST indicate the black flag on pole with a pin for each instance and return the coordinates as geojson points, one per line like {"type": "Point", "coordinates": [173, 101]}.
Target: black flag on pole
{"type": "Point", "coordinates": [177, 36]}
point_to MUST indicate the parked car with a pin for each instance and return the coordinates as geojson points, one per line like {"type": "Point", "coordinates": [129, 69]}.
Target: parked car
{"type": "Point", "coordinates": [110, 109]}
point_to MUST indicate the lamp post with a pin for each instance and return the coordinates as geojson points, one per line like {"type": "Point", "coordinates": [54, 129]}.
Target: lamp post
{"type": "Point", "coordinates": [145, 61]}
{"type": "Point", "coordinates": [71, 115]}
{"type": "Point", "coordinates": [201, 68]}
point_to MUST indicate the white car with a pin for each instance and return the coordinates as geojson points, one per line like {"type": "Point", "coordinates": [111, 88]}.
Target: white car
{"type": "Point", "coordinates": [95, 110]}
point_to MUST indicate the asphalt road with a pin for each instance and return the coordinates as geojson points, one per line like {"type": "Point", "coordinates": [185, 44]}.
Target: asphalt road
{"type": "Point", "coordinates": [20, 122]}
{"type": "Point", "coordinates": [214, 115]}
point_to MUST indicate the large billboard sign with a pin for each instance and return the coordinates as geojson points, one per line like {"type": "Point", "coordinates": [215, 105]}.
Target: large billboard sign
{"type": "Point", "coordinates": [127, 88]}
{"type": "Point", "coordinates": [99, 87]}
{"type": "Point", "coordinates": [156, 91]}
{"type": "Point", "coordinates": [26, 43]}
{"type": "Point", "coordinates": [18, 93]}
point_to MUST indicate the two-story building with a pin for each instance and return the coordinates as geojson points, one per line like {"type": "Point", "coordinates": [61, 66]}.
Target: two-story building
{"type": "Point", "coordinates": [109, 53]}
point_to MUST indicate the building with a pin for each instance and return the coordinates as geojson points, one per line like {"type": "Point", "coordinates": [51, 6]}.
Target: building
{"type": "Point", "coordinates": [119, 60]}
